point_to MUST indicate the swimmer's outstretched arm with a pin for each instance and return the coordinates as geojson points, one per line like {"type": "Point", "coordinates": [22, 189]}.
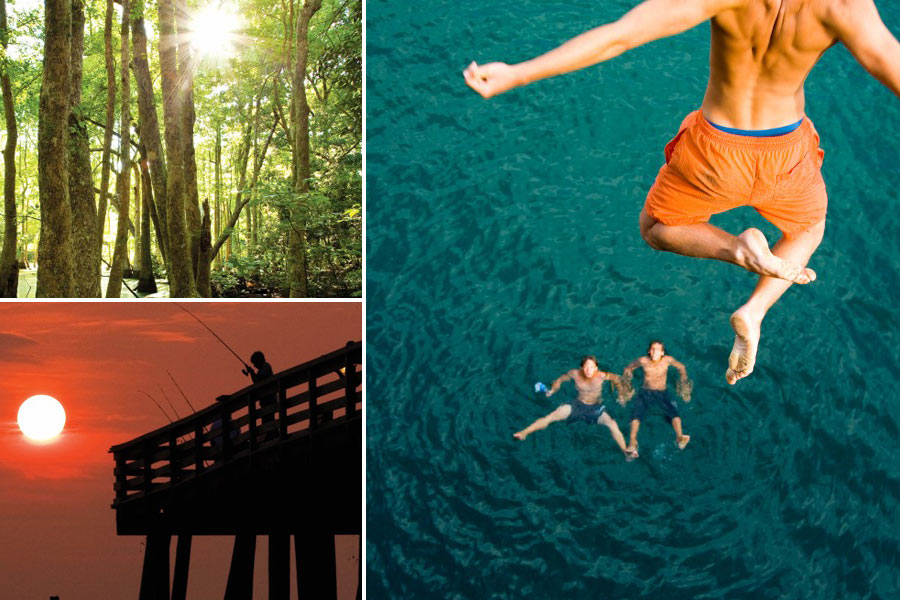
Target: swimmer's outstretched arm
{"type": "Point", "coordinates": [630, 367]}
{"type": "Point", "coordinates": [558, 382]}
{"type": "Point", "coordinates": [648, 21]}
{"type": "Point", "coordinates": [857, 24]}
{"type": "Point", "coordinates": [681, 368]}
{"type": "Point", "coordinates": [685, 386]}
{"type": "Point", "coordinates": [624, 391]}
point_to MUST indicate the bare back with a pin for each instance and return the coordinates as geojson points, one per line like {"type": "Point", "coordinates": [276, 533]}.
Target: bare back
{"type": "Point", "coordinates": [760, 56]}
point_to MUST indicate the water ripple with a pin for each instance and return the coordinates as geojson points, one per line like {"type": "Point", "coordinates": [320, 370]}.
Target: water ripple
{"type": "Point", "coordinates": [503, 245]}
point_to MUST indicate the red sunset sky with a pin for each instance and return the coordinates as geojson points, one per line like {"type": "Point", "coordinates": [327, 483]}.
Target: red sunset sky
{"type": "Point", "coordinates": [57, 530]}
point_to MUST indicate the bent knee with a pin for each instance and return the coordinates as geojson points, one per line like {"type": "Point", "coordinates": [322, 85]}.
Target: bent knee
{"type": "Point", "coordinates": [815, 232]}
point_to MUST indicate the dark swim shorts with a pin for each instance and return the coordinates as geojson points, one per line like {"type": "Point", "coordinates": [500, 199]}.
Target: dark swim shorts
{"type": "Point", "coordinates": [647, 400]}
{"type": "Point", "coordinates": [589, 413]}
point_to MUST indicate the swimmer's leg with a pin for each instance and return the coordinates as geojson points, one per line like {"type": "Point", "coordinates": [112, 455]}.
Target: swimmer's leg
{"type": "Point", "coordinates": [746, 320]}
{"type": "Point", "coordinates": [559, 414]}
{"type": "Point", "coordinates": [680, 439]}
{"type": "Point", "coordinates": [749, 250]}
{"type": "Point", "coordinates": [632, 442]}
{"type": "Point", "coordinates": [605, 419]}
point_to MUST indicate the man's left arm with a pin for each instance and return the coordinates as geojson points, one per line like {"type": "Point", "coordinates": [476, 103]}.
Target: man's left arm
{"type": "Point", "coordinates": [624, 391]}
{"type": "Point", "coordinates": [681, 368]}
{"type": "Point", "coordinates": [684, 386]}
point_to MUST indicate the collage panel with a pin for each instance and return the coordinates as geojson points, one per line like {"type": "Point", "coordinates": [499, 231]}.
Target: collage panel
{"type": "Point", "coordinates": [237, 172]}
{"type": "Point", "coordinates": [169, 450]}
{"type": "Point", "coordinates": [574, 393]}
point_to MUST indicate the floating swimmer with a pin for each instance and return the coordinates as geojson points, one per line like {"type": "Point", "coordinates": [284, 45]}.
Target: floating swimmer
{"type": "Point", "coordinates": [588, 407]}
{"type": "Point", "coordinates": [750, 144]}
{"type": "Point", "coordinates": [654, 394]}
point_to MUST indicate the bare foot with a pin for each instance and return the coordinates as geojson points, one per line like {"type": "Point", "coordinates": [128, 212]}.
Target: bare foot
{"type": "Point", "coordinates": [520, 435]}
{"type": "Point", "coordinates": [683, 441]}
{"type": "Point", "coordinates": [746, 342]}
{"type": "Point", "coordinates": [754, 255]}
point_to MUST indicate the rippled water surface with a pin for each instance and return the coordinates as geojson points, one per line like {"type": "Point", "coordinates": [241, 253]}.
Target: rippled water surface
{"type": "Point", "coordinates": [503, 245]}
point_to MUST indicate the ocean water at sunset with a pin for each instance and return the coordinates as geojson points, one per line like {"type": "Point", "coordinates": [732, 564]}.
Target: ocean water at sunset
{"type": "Point", "coordinates": [503, 244]}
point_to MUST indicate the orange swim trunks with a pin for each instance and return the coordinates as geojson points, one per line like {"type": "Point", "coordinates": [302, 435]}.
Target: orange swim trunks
{"type": "Point", "coordinates": [709, 171]}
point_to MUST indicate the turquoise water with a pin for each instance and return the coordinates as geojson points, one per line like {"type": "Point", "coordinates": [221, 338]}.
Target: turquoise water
{"type": "Point", "coordinates": [503, 244]}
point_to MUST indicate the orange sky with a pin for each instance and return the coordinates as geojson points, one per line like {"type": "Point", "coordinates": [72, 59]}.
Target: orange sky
{"type": "Point", "coordinates": [57, 530]}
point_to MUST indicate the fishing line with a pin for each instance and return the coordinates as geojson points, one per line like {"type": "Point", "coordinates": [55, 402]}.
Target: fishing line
{"type": "Point", "coordinates": [236, 355]}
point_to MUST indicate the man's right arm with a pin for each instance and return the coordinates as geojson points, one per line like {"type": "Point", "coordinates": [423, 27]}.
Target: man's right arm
{"type": "Point", "coordinates": [629, 369]}
{"type": "Point", "coordinates": [558, 382]}
{"type": "Point", "coordinates": [648, 21]}
{"type": "Point", "coordinates": [857, 24]}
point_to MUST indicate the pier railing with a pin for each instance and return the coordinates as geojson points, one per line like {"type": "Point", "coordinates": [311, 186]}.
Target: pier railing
{"type": "Point", "coordinates": [291, 405]}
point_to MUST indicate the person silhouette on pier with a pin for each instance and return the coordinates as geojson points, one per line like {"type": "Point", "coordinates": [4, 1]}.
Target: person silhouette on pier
{"type": "Point", "coordinates": [263, 369]}
{"type": "Point", "coordinates": [267, 402]}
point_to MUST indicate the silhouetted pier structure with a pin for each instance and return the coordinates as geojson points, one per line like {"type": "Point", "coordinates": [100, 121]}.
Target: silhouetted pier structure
{"type": "Point", "coordinates": [279, 458]}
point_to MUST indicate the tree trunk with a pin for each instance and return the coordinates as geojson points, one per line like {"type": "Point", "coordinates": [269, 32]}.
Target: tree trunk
{"type": "Point", "coordinates": [117, 265]}
{"type": "Point", "coordinates": [181, 276]}
{"type": "Point", "coordinates": [147, 282]}
{"type": "Point", "coordinates": [9, 265]}
{"type": "Point", "coordinates": [134, 256]}
{"type": "Point", "coordinates": [55, 271]}
{"type": "Point", "coordinates": [298, 276]}
{"type": "Point", "coordinates": [110, 122]}
{"type": "Point", "coordinates": [204, 257]}
{"type": "Point", "coordinates": [218, 188]}
{"type": "Point", "coordinates": [85, 242]}
{"type": "Point", "coordinates": [150, 127]}
{"type": "Point", "coordinates": [191, 195]}
{"type": "Point", "coordinates": [243, 198]}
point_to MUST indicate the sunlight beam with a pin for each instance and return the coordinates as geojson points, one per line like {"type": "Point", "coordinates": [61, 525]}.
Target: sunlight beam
{"type": "Point", "coordinates": [214, 31]}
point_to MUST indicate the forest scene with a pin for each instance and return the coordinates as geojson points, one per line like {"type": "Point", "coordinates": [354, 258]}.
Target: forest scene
{"type": "Point", "coordinates": [181, 148]}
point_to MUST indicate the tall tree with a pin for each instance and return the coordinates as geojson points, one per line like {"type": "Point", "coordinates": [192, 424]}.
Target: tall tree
{"type": "Point", "coordinates": [110, 122]}
{"type": "Point", "coordinates": [242, 197]}
{"type": "Point", "coordinates": [150, 136]}
{"type": "Point", "coordinates": [147, 282]}
{"type": "Point", "coordinates": [85, 235]}
{"type": "Point", "coordinates": [55, 265]}
{"type": "Point", "coordinates": [9, 265]}
{"type": "Point", "coordinates": [199, 264]}
{"type": "Point", "coordinates": [181, 276]}
{"type": "Point", "coordinates": [114, 285]}
{"type": "Point", "coordinates": [298, 276]}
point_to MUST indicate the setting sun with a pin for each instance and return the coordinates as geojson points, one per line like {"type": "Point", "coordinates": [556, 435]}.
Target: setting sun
{"type": "Point", "coordinates": [41, 418]}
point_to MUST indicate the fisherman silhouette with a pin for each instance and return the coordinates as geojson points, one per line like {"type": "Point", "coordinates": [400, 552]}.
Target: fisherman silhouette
{"type": "Point", "coordinates": [267, 402]}
{"type": "Point", "coordinates": [263, 369]}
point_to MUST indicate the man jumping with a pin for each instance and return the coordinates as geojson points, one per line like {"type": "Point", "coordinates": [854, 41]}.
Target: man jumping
{"type": "Point", "coordinates": [749, 144]}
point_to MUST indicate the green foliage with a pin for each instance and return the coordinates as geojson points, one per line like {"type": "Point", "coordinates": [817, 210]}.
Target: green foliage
{"type": "Point", "coordinates": [240, 96]}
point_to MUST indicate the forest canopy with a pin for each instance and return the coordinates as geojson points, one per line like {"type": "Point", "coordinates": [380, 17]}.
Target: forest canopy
{"type": "Point", "coordinates": [224, 159]}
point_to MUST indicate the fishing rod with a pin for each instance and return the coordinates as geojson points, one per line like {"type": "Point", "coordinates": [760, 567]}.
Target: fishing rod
{"type": "Point", "coordinates": [236, 355]}
{"type": "Point", "coordinates": [157, 404]}
{"type": "Point", "coordinates": [177, 416]}
{"type": "Point", "coordinates": [182, 392]}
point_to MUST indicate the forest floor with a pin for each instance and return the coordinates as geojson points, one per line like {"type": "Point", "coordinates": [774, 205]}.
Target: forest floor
{"type": "Point", "coordinates": [28, 286]}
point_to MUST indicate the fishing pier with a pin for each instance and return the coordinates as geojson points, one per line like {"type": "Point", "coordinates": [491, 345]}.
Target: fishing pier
{"type": "Point", "coordinates": [280, 458]}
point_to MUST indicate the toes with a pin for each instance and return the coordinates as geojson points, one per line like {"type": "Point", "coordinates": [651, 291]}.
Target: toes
{"type": "Point", "coordinates": [730, 376]}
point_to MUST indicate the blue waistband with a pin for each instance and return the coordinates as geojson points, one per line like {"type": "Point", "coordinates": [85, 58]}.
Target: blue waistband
{"type": "Point", "coordinates": [758, 132]}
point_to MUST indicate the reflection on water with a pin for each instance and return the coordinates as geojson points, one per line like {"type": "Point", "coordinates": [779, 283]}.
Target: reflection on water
{"type": "Point", "coordinates": [503, 245]}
